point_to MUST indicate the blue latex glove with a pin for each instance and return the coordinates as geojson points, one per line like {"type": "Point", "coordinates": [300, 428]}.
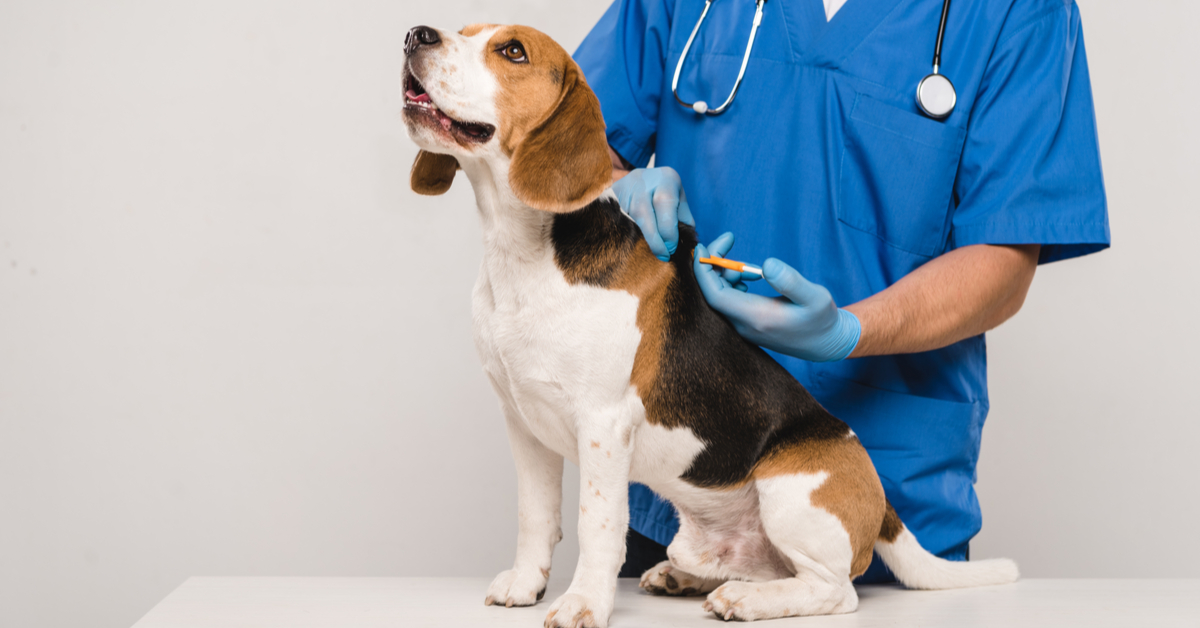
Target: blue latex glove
{"type": "Point", "coordinates": [654, 198]}
{"type": "Point", "coordinates": [804, 322]}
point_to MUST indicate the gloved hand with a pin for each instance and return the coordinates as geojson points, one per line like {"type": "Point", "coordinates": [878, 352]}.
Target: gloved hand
{"type": "Point", "coordinates": [804, 322]}
{"type": "Point", "coordinates": [654, 198]}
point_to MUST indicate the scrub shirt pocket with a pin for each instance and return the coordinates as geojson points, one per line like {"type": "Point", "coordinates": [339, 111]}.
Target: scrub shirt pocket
{"type": "Point", "coordinates": [897, 174]}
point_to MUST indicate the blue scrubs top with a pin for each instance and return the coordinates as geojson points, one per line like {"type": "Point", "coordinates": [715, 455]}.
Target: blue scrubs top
{"type": "Point", "coordinates": [825, 162]}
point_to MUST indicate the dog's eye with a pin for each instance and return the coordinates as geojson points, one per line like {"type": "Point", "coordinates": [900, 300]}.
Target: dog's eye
{"type": "Point", "coordinates": [514, 51]}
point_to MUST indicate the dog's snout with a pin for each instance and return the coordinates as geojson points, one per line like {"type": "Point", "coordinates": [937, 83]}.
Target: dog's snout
{"type": "Point", "coordinates": [420, 36]}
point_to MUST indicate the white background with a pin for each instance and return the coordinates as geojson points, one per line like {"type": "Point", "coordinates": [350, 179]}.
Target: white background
{"type": "Point", "coordinates": [233, 342]}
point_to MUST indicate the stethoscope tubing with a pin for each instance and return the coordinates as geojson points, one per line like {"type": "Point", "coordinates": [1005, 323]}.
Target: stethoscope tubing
{"type": "Point", "coordinates": [758, 13]}
{"type": "Point", "coordinates": [937, 49]}
{"type": "Point", "coordinates": [936, 81]}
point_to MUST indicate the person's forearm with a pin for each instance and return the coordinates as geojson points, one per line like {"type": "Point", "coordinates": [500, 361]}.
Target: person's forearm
{"type": "Point", "coordinates": [961, 294]}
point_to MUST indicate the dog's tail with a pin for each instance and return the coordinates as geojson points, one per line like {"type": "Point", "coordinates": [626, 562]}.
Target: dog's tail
{"type": "Point", "coordinates": [918, 569]}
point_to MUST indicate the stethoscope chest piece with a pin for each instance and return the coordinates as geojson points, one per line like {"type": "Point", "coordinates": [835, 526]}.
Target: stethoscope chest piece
{"type": "Point", "coordinates": [936, 96]}
{"type": "Point", "coordinates": [935, 93]}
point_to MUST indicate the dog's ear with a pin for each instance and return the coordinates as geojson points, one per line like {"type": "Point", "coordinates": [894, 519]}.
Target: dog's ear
{"type": "Point", "coordinates": [563, 163]}
{"type": "Point", "coordinates": [432, 173]}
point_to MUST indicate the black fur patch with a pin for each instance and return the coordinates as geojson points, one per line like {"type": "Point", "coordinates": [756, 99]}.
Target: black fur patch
{"type": "Point", "coordinates": [737, 400]}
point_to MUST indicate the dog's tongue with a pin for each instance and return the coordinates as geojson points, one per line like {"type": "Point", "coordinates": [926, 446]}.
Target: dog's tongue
{"type": "Point", "coordinates": [443, 119]}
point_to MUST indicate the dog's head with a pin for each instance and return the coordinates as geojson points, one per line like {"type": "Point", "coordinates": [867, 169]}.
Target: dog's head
{"type": "Point", "coordinates": [509, 96]}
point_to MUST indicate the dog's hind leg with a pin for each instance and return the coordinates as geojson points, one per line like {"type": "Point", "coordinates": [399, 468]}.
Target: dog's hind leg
{"type": "Point", "coordinates": [539, 517]}
{"type": "Point", "coordinates": [823, 551]}
{"type": "Point", "coordinates": [663, 579]}
{"type": "Point", "coordinates": [720, 538]}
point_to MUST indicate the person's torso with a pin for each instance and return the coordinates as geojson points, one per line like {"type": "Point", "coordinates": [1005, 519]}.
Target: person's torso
{"type": "Point", "coordinates": [824, 160]}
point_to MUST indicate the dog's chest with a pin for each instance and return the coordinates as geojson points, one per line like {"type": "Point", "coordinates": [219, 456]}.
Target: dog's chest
{"type": "Point", "coordinates": [558, 351]}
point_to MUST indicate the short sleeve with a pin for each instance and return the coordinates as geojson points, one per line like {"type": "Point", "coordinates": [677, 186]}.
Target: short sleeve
{"type": "Point", "coordinates": [1030, 171]}
{"type": "Point", "coordinates": [622, 59]}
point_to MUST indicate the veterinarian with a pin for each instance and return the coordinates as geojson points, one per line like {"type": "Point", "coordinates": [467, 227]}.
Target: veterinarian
{"type": "Point", "coordinates": [926, 230]}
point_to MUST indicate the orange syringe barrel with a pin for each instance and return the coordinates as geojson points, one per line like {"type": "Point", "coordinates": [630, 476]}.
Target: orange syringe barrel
{"type": "Point", "coordinates": [741, 267]}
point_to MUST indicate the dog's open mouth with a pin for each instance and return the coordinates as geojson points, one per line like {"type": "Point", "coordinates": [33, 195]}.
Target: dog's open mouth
{"type": "Point", "coordinates": [418, 101]}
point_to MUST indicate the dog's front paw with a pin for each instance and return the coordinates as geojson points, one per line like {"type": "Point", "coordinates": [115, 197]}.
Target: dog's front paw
{"type": "Point", "coordinates": [574, 610]}
{"type": "Point", "coordinates": [517, 588]}
{"type": "Point", "coordinates": [663, 579]}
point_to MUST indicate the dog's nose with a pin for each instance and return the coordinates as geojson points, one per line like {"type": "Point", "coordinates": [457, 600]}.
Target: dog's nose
{"type": "Point", "coordinates": [420, 36]}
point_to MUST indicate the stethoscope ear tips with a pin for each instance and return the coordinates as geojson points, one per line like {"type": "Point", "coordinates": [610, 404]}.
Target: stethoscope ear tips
{"type": "Point", "coordinates": [700, 107]}
{"type": "Point", "coordinates": [936, 96]}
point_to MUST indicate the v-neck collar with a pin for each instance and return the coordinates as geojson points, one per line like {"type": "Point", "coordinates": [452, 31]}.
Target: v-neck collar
{"type": "Point", "coordinates": [825, 42]}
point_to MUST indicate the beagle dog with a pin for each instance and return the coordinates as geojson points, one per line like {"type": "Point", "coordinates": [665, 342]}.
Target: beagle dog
{"type": "Point", "coordinates": [606, 356]}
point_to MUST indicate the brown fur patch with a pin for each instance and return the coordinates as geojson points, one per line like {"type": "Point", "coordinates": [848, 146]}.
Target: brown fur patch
{"type": "Point", "coordinates": [892, 526]}
{"type": "Point", "coordinates": [528, 92]}
{"type": "Point", "coordinates": [649, 280]}
{"type": "Point", "coordinates": [550, 122]}
{"type": "Point", "coordinates": [432, 173]}
{"type": "Point", "coordinates": [851, 492]}
{"type": "Point", "coordinates": [471, 30]}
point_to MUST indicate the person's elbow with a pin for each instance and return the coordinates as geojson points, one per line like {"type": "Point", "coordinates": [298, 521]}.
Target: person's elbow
{"type": "Point", "coordinates": [1022, 269]}
{"type": "Point", "coordinates": [1011, 306]}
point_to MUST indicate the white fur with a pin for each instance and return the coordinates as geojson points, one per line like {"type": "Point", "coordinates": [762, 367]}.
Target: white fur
{"type": "Point", "coordinates": [811, 551]}
{"type": "Point", "coordinates": [662, 455]}
{"type": "Point", "coordinates": [460, 83]}
{"type": "Point", "coordinates": [720, 533]}
{"type": "Point", "coordinates": [918, 569]}
{"type": "Point", "coordinates": [816, 539]}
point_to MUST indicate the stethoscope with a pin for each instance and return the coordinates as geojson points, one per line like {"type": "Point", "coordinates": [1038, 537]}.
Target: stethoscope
{"type": "Point", "coordinates": [935, 93]}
